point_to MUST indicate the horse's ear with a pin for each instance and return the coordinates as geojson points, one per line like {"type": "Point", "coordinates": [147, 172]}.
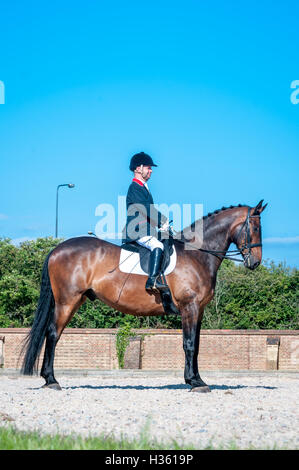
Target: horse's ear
{"type": "Point", "coordinates": [259, 208]}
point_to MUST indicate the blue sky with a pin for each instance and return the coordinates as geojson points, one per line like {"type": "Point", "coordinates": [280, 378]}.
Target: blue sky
{"type": "Point", "coordinates": [205, 88]}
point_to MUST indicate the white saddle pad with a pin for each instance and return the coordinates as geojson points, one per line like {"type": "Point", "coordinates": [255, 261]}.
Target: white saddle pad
{"type": "Point", "coordinates": [130, 263]}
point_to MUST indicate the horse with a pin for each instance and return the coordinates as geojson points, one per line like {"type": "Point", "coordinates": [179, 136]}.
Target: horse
{"type": "Point", "coordinates": [84, 267]}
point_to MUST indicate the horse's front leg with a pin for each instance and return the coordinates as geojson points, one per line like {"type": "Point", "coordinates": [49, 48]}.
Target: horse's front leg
{"type": "Point", "coordinates": [191, 321]}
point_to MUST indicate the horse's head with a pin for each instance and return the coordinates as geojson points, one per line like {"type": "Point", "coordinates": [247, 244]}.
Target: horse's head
{"type": "Point", "coordinates": [248, 236]}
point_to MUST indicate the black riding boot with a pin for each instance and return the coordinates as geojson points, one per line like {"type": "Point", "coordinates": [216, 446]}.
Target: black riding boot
{"type": "Point", "coordinates": [154, 269]}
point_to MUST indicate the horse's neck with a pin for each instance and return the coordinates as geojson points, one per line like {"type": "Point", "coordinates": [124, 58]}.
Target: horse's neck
{"type": "Point", "coordinates": [216, 237]}
{"type": "Point", "coordinates": [217, 234]}
{"type": "Point", "coordinates": [214, 233]}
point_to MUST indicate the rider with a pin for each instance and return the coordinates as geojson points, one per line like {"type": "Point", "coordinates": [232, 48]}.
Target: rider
{"type": "Point", "coordinates": [142, 228]}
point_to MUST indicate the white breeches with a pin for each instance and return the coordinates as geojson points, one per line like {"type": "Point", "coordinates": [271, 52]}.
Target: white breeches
{"type": "Point", "coordinates": [150, 242]}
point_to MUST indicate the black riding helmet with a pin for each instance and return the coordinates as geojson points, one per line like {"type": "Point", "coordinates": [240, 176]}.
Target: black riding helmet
{"type": "Point", "coordinates": [141, 158]}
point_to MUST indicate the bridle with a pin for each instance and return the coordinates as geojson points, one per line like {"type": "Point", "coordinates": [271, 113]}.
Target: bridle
{"type": "Point", "coordinates": [247, 245]}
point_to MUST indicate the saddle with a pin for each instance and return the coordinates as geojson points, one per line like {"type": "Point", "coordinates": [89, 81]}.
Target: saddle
{"type": "Point", "coordinates": [144, 258]}
{"type": "Point", "coordinates": [142, 255]}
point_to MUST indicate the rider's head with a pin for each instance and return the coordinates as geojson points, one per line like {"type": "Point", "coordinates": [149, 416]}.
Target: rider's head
{"type": "Point", "coordinates": [141, 164]}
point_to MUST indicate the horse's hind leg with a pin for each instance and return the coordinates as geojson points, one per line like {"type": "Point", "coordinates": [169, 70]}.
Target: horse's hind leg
{"type": "Point", "coordinates": [62, 316]}
{"type": "Point", "coordinates": [47, 371]}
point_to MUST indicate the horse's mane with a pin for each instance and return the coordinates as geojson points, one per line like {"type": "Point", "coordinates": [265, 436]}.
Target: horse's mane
{"type": "Point", "coordinates": [222, 209]}
{"type": "Point", "coordinates": [210, 214]}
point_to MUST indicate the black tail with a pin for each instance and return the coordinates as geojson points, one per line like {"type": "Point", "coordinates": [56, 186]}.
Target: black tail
{"type": "Point", "coordinates": [43, 317]}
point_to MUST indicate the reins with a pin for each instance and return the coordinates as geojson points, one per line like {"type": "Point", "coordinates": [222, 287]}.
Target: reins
{"type": "Point", "coordinates": [218, 254]}
{"type": "Point", "coordinates": [247, 245]}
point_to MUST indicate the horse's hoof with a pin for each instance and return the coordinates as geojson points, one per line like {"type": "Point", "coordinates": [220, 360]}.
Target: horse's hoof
{"type": "Point", "coordinates": [203, 389]}
{"type": "Point", "coordinates": [54, 386]}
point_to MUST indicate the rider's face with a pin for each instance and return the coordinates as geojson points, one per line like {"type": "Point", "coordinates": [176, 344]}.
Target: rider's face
{"type": "Point", "coordinates": [145, 171]}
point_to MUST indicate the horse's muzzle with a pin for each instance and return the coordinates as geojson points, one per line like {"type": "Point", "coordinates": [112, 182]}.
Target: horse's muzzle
{"type": "Point", "coordinates": [251, 263]}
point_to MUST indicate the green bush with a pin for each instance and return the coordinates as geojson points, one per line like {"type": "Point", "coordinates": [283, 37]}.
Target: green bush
{"type": "Point", "coordinates": [122, 342]}
{"type": "Point", "coordinates": [20, 274]}
{"type": "Point", "coordinates": [18, 299]}
{"type": "Point", "coordinates": [262, 299]}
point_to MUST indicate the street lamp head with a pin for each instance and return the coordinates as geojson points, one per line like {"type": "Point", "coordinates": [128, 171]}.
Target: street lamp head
{"type": "Point", "coordinates": [69, 185]}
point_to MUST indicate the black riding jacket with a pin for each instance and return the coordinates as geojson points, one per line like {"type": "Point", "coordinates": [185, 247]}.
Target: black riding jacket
{"type": "Point", "coordinates": [142, 216]}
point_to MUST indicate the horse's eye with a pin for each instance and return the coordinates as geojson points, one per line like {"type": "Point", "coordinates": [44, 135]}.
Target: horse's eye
{"type": "Point", "coordinates": [255, 229]}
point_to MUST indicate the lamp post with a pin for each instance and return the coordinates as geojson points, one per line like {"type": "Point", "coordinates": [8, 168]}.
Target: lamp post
{"type": "Point", "coordinates": [69, 185]}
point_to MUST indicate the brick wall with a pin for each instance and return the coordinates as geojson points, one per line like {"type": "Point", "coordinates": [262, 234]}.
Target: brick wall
{"type": "Point", "coordinates": [162, 349]}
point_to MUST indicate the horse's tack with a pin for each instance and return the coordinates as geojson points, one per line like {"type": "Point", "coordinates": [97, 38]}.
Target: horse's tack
{"type": "Point", "coordinates": [245, 246]}
{"type": "Point", "coordinates": [137, 262]}
{"type": "Point", "coordinates": [133, 265]}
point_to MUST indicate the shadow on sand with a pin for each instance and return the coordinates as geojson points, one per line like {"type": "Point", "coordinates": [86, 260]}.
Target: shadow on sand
{"type": "Point", "coordinates": [163, 387]}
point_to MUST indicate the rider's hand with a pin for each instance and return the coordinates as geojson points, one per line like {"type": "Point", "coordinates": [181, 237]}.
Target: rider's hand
{"type": "Point", "coordinates": [165, 226]}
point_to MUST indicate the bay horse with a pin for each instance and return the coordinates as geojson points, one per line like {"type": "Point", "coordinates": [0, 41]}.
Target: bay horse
{"type": "Point", "coordinates": [84, 267]}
